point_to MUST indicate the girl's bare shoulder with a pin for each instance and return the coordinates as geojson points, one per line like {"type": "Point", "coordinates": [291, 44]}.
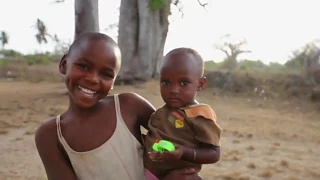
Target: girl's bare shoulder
{"type": "Point", "coordinates": [134, 100]}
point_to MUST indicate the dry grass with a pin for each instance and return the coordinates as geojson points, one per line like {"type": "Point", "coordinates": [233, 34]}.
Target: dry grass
{"type": "Point", "coordinates": [261, 139]}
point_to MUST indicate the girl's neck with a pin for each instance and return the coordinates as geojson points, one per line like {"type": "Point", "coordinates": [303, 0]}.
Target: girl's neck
{"type": "Point", "coordinates": [80, 113]}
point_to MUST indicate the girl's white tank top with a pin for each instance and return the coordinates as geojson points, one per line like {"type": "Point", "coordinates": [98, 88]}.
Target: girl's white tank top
{"type": "Point", "coordinates": [120, 158]}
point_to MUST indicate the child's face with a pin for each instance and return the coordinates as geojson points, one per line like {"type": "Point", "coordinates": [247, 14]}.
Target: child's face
{"type": "Point", "coordinates": [180, 80]}
{"type": "Point", "coordinates": [90, 71]}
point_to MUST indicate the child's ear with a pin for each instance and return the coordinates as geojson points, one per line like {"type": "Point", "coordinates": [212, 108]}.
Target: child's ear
{"type": "Point", "coordinates": [63, 64]}
{"type": "Point", "coordinates": [202, 83]}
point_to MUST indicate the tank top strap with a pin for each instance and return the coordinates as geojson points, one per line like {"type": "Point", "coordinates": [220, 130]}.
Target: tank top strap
{"type": "Point", "coordinates": [118, 109]}
{"type": "Point", "coordinates": [117, 104]}
{"type": "Point", "coordinates": [122, 128]}
{"type": "Point", "coordinates": [59, 132]}
{"type": "Point", "coordinates": [59, 127]}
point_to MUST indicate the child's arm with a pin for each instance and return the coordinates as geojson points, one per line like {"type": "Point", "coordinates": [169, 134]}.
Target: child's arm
{"type": "Point", "coordinates": [207, 133]}
{"type": "Point", "coordinates": [203, 122]}
{"type": "Point", "coordinates": [55, 163]}
{"type": "Point", "coordinates": [207, 154]}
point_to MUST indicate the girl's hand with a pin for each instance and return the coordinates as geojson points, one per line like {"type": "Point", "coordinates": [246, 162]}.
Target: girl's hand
{"type": "Point", "coordinates": [182, 174]}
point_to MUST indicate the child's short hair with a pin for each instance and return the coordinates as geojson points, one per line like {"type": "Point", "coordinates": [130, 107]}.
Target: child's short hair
{"type": "Point", "coordinates": [183, 50]}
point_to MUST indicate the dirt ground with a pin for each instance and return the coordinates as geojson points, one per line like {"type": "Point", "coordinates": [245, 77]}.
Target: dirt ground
{"type": "Point", "coordinates": [262, 139]}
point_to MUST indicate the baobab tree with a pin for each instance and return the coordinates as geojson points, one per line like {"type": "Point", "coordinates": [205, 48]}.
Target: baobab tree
{"type": "Point", "coordinates": [143, 28]}
{"type": "Point", "coordinates": [86, 16]}
{"type": "Point", "coordinates": [232, 50]}
{"type": "Point", "coordinates": [142, 32]}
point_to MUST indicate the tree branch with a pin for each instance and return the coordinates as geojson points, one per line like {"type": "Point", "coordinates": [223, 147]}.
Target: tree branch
{"type": "Point", "coordinates": [225, 51]}
{"type": "Point", "coordinates": [236, 53]}
{"type": "Point", "coordinates": [202, 4]}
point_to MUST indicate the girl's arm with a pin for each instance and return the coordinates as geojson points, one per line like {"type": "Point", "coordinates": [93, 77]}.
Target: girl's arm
{"type": "Point", "coordinates": [182, 174]}
{"type": "Point", "coordinates": [141, 108]}
{"type": "Point", "coordinates": [55, 163]}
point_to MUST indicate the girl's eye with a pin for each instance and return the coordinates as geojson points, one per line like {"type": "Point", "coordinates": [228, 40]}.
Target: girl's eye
{"type": "Point", "coordinates": [108, 75]}
{"type": "Point", "coordinates": [184, 83]}
{"type": "Point", "coordinates": [164, 82]}
{"type": "Point", "coordinates": [84, 67]}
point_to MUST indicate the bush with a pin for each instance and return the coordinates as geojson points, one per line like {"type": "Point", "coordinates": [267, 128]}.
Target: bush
{"type": "Point", "coordinates": [10, 53]}
{"type": "Point", "coordinates": [36, 59]}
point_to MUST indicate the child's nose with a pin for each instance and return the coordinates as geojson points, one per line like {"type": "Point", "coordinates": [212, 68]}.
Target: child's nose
{"type": "Point", "coordinates": [174, 90]}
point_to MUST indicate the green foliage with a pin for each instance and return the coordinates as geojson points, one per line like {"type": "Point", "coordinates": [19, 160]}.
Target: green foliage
{"type": "Point", "coordinates": [210, 65]}
{"type": "Point", "coordinates": [36, 59]}
{"type": "Point", "coordinates": [11, 56]}
{"type": "Point", "coordinates": [10, 53]}
{"type": "Point", "coordinates": [3, 62]}
{"type": "Point", "coordinates": [276, 66]}
{"type": "Point", "coordinates": [294, 63]}
{"type": "Point", "coordinates": [156, 4]}
{"type": "Point", "coordinates": [250, 65]}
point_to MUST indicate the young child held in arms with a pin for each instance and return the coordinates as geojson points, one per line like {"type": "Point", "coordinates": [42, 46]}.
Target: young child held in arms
{"type": "Point", "coordinates": [191, 126]}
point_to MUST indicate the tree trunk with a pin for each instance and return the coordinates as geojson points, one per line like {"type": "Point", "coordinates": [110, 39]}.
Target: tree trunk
{"type": "Point", "coordinates": [142, 36]}
{"type": "Point", "coordinates": [86, 16]}
{"type": "Point", "coordinates": [230, 62]}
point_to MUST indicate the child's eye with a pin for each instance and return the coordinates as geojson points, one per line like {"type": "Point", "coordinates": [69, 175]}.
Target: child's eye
{"type": "Point", "coordinates": [164, 82]}
{"type": "Point", "coordinates": [184, 83]}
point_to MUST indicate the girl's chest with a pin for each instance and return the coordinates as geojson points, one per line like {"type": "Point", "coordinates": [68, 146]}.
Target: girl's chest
{"type": "Point", "coordinates": [82, 137]}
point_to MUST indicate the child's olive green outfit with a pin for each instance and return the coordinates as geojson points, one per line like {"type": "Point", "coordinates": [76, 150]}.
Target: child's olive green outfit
{"type": "Point", "coordinates": [188, 126]}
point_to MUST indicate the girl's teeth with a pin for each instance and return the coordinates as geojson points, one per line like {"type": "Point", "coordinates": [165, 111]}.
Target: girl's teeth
{"type": "Point", "coordinates": [86, 90]}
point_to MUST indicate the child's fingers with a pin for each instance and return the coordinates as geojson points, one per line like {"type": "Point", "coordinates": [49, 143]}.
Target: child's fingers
{"type": "Point", "coordinates": [166, 154]}
{"type": "Point", "coordinates": [151, 155]}
{"type": "Point", "coordinates": [155, 155]}
{"type": "Point", "coordinates": [159, 155]}
{"type": "Point", "coordinates": [176, 145]}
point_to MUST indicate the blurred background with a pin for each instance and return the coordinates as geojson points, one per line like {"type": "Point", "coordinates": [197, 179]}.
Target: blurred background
{"type": "Point", "coordinates": [262, 65]}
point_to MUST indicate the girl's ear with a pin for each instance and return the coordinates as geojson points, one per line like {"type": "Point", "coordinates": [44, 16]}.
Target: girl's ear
{"type": "Point", "coordinates": [202, 83]}
{"type": "Point", "coordinates": [63, 64]}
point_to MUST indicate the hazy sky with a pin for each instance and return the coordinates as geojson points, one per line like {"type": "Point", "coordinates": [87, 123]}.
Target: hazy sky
{"type": "Point", "coordinates": [272, 27]}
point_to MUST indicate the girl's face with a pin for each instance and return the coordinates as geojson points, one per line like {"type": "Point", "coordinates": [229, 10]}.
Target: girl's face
{"type": "Point", "coordinates": [90, 70]}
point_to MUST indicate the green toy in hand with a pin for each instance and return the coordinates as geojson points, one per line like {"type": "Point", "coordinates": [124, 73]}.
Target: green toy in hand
{"type": "Point", "coordinates": [162, 146]}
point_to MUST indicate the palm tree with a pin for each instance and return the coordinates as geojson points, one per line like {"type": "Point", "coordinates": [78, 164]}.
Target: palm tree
{"type": "Point", "coordinates": [42, 33]}
{"type": "Point", "coordinates": [4, 38]}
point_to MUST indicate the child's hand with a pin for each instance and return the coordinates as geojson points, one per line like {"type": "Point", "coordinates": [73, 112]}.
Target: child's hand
{"type": "Point", "coordinates": [173, 155]}
{"type": "Point", "coordinates": [167, 155]}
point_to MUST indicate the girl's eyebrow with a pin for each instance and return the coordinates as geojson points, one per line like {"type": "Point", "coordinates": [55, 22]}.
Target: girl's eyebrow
{"type": "Point", "coordinates": [89, 61]}
{"type": "Point", "coordinates": [85, 59]}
